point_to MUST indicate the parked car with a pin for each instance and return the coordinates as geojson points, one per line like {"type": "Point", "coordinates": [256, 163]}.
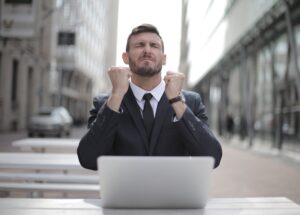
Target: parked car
{"type": "Point", "coordinates": [50, 121]}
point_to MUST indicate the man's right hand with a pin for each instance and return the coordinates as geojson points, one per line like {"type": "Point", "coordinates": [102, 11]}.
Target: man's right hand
{"type": "Point", "coordinates": [119, 79]}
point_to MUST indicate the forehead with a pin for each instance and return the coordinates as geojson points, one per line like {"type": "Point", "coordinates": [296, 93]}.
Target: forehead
{"type": "Point", "coordinates": [145, 37]}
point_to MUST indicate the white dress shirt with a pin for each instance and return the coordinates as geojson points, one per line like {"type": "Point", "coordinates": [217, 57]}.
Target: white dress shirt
{"type": "Point", "coordinates": [157, 93]}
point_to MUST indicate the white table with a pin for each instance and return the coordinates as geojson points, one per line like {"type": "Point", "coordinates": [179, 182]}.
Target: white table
{"type": "Point", "coordinates": [216, 206]}
{"type": "Point", "coordinates": [47, 144]}
{"type": "Point", "coordinates": [39, 161]}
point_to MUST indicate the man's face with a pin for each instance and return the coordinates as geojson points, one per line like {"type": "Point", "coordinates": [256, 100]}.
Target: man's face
{"type": "Point", "coordinates": [145, 55]}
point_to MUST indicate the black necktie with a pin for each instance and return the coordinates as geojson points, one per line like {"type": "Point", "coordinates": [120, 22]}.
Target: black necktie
{"type": "Point", "coordinates": [148, 114]}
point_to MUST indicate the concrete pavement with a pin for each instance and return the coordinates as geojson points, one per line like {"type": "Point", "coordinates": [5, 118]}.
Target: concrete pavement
{"type": "Point", "coordinates": [248, 173]}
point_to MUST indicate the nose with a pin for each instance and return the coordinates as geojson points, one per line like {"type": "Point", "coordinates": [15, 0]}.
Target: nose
{"type": "Point", "coordinates": [147, 48]}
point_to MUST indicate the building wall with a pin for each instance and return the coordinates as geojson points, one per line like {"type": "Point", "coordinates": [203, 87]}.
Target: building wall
{"type": "Point", "coordinates": [47, 74]}
{"type": "Point", "coordinates": [215, 26]}
{"type": "Point", "coordinates": [254, 77]}
{"type": "Point", "coordinates": [81, 67]}
{"type": "Point", "coordinates": [24, 62]}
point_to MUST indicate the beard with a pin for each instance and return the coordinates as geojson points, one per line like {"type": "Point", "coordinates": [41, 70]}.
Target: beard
{"type": "Point", "coordinates": [146, 70]}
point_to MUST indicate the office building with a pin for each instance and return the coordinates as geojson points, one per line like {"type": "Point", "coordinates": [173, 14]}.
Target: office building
{"type": "Point", "coordinates": [54, 53]}
{"type": "Point", "coordinates": [243, 57]}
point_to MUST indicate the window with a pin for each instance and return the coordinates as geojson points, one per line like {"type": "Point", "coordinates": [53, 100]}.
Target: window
{"type": "Point", "coordinates": [0, 69]}
{"type": "Point", "coordinates": [66, 38]}
{"type": "Point", "coordinates": [14, 80]}
{"type": "Point", "coordinates": [18, 1]}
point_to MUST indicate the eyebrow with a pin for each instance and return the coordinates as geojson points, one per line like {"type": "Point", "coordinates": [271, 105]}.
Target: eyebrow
{"type": "Point", "coordinates": [151, 43]}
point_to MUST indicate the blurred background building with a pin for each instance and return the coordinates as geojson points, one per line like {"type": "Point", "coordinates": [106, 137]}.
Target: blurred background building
{"type": "Point", "coordinates": [53, 53]}
{"type": "Point", "coordinates": [243, 57]}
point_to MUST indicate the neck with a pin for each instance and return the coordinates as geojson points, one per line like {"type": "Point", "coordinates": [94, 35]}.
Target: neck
{"type": "Point", "coordinates": [146, 83]}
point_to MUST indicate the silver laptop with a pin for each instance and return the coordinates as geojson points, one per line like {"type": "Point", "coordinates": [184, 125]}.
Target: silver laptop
{"type": "Point", "coordinates": [154, 182]}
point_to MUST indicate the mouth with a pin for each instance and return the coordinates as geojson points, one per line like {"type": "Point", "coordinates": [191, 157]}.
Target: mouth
{"type": "Point", "coordinates": [147, 60]}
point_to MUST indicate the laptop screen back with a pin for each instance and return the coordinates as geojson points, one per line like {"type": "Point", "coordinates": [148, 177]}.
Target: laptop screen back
{"type": "Point", "coordinates": [154, 182]}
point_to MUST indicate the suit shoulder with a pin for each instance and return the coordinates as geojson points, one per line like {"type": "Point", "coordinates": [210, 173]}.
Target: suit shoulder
{"type": "Point", "coordinates": [191, 95]}
{"type": "Point", "coordinates": [100, 99]}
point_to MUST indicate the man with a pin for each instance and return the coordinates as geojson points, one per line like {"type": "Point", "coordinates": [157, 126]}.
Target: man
{"type": "Point", "coordinates": [123, 123]}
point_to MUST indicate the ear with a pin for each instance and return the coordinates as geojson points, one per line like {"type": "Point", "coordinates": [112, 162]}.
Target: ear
{"type": "Point", "coordinates": [164, 59]}
{"type": "Point", "coordinates": [125, 57]}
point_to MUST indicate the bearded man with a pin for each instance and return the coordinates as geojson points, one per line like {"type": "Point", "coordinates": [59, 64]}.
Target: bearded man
{"type": "Point", "coordinates": [146, 114]}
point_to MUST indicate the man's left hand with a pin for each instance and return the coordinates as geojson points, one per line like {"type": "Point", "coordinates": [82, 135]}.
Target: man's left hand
{"type": "Point", "coordinates": [174, 83]}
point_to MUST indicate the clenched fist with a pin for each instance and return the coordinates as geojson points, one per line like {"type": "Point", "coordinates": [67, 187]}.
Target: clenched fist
{"type": "Point", "coordinates": [174, 83]}
{"type": "Point", "coordinates": [119, 79]}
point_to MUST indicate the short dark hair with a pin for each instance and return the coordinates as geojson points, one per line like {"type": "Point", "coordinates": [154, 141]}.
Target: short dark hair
{"type": "Point", "coordinates": [142, 29]}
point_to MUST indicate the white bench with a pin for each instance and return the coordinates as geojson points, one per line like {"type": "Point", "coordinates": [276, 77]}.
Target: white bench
{"type": "Point", "coordinates": [38, 189]}
{"type": "Point", "coordinates": [45, 172]}
{"type": "Point", "coordinates": [9, 186]}
{"type": "Point", "coordinates": [49, 177]}
{"type": "Point", "coordinates": [47, 144]}
{"type": "Point", "coordinates": [39, 161]}
{"type": "Point", "coordinates": [37, 183]}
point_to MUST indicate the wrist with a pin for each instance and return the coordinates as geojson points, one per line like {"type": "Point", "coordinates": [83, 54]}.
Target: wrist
{"type": "Point", "coordinates": [114, 102]}
{"type": "Point", "coordinates": [118, 93]}
{"type": "Point", "coordinates": [179, 109]}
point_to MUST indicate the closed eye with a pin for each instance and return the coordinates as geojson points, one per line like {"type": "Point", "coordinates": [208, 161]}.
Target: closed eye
{"type": "Point", "coordinates": [139, 44]}
{"type": "Point", "coordinates": [155, 45]}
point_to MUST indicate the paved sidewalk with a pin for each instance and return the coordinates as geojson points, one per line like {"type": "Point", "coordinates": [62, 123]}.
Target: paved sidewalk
{"type": "Point", "coordinates": [7, 138]}
{"type": "Point", "coordinates": [249, 173]}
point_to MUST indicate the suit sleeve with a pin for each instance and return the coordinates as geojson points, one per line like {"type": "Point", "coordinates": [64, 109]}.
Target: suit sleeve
{"type": "Point", "coordinates": [197, 136]}
{"type": "Point", "coordinates": [99, 139]}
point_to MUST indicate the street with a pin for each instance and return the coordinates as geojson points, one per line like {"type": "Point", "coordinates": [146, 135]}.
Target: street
{"type": "Point", "coordinates": [242, 172]}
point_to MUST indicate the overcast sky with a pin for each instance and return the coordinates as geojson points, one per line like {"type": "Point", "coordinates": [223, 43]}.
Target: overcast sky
{"type": "Point", "coordinates": [164, 14]}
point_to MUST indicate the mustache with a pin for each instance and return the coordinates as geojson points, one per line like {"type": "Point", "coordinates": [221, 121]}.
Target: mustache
{"type": "Point", "coordinates": [146, 56]}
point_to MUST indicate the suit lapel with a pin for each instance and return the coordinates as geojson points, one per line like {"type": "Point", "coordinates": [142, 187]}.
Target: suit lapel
{"type": "Point", "coordinates": [133, 109]}
{"type": "Point", "coordinates": [164, 112]}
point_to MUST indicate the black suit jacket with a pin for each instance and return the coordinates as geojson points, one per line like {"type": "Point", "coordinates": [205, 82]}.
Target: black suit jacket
{"type": "Point", "coordinates": [112, 133]}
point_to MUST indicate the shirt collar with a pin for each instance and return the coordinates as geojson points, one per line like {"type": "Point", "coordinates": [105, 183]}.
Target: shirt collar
{"type": "Point", "coordinates": [157, 91]}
